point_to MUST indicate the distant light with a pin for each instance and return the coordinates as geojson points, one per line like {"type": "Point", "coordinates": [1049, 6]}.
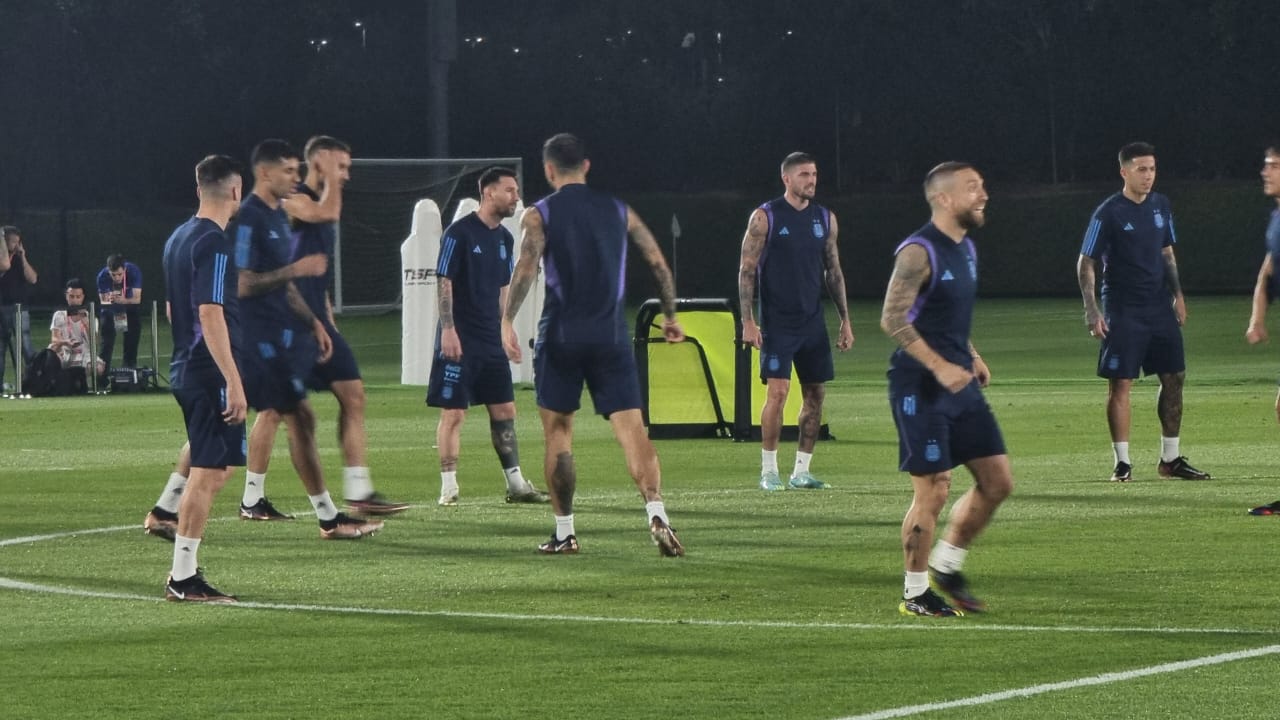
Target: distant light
{"type": "Point", "coordinates": [719, 37]}
{"type": "Point", "coordinates": [689, 40]}
{"type": "Point", "coordinates": [479, 39]}
{"type": "Point", "coordinates": [789, 33]}
{"type": "Point", "coordinates": [720, 79]}
{"type": "Point", "coordinates": [644, 61]}
{"type": "Point", "coordinates": [628, 31]}
{"type": "Point", "coordinates": [515, 50]}
{"type": "Point", "coordinates": [358, 24]}
{"type": "Point", "coordinates": [580, 56]}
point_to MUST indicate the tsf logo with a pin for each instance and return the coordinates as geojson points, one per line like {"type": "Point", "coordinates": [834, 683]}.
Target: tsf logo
{"type": "Point", "coordinates": [419, 276]}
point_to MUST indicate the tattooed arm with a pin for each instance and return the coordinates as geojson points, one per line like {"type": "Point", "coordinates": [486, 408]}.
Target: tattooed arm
{"type": "Point", "coordinates": [450, 343]}
{"type": "Point", "coordinates": [911, 271]}
{"type": "Point", "coordinates": [1087, 277]}
{"type": "Point", "coordinates": [752, 248]}
{"type": "Point", "coordinates": [298, 305]}
{"type": "Point", "coordinates": [835, 285]}
{"type": "Point", "coordinates": [533, 241]}
{"type": "Point", "coordinates": [1175, 286]}
{"type": "Point", "coordinates": [648, 246]}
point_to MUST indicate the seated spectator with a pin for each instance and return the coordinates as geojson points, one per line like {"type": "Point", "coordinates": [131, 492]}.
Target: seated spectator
{"type": "Point", "coordinates": [120, 292]}
{"type": "Point", "coordinates": [70, 331]}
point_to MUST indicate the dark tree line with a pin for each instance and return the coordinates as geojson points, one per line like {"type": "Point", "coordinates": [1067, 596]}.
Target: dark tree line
{"type": "Point", "coordinates": [111, 103]}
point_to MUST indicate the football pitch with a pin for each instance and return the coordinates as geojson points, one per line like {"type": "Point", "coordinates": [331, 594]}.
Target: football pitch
{"type": "Point", "coordinates": [1149, 599]}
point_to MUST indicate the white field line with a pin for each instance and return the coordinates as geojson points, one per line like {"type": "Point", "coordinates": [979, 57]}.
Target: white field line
{"type": "Point", "coordinates": [1104, 679]}
{"type": "Point", "coordinates": [927, 625]}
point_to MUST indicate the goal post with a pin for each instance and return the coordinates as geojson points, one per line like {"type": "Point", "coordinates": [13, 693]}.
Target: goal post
{"type": "Point", "coordinates": [377, 216]}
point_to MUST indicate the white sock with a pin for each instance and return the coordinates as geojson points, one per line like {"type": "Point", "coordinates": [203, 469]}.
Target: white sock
{"type": "Point", "coordinates": [1122, 452]}
{"type": "Point", "coordinates": [656, 509]}
{"type": "Point", "coordinates": [947, 558]}
{"type": "Point", "coordinates": [448, 483]}
{"type": "Point", "coordinates": [356, 484]}
{"type": "Point", "coordinates": [172, 494]}
{"type": "Point", "coordinates": [564, 526]}
{"type": "Point", "coordinates": [323, 504]}
{"type": "Point", "coordinates": [914, 583]}
{"type": "Point", "coordinates": [768, 461]}
{"type": "Point", "coordinates": [802, 463]}
{"type": "Point", "coordinates": [255, 487]}
{"type": "Point", "coordinates": [515, 480]}
{"type": "Point", "coordinates": [1169, 449]}
{"type": "Point", "coordinates": [184, 557]}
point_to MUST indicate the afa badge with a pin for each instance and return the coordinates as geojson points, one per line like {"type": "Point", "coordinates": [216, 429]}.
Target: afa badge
{"type": "Point", "coordinates": [818, 232]}
{"type": "Point", "coordinates": [502, 252]}
{"type": "Point", "coordinates": [1159, 220]}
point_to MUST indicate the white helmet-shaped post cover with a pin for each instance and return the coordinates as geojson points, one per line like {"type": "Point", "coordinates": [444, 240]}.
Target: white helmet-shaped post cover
{"type": "Point", "coordinates": [418, 318]}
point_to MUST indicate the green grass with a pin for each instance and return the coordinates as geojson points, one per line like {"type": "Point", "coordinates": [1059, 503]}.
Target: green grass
{"type": "Point", "coordinates": [784, 607]}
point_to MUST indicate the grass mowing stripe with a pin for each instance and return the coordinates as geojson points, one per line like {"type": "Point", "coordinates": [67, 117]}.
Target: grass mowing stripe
{"type": "Point", "coordinates": [1104, 679]}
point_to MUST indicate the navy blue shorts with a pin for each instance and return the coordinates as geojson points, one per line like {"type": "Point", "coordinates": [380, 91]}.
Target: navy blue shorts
{"type": "Point", "coordinates": [559, 369]}
{"type": "Point", "coordinates": [271, 381]}
{"type": "Point", "coordinates": [1150, 342]}
{"type": "Point", "coordinates": [938, 430]}
{"type": "Point", "coordinates": [340, 367]}
{"type": "Point", "coordinates": [214, 443]}
{"type": "Point", "coordinates": [811, 355]}
{"type": "Point", "coordinates": [476, 379]}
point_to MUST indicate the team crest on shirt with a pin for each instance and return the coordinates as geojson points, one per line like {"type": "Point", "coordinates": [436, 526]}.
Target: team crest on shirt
{"type": "Point", "coordinates": [502, 252]}
{"type": "Point", "coordinates": [1159, 220]}
{"type": "Point", "coordinates": [818, 232]}
{"type": "Point", "coordinates": [973, 269]}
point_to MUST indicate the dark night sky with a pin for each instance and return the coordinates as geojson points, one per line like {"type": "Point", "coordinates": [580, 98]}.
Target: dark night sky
{"type": "Point", "coordinates": [111, 103]}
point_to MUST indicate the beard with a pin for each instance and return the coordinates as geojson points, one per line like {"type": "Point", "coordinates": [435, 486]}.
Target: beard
{"type": "Point", "coordinates": [971, 219]}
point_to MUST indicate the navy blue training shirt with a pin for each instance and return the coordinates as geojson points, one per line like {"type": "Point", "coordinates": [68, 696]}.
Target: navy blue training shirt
{"type": "Point", "coordinates": [943, 312]}
{"type": "Point", "coordinates": [477, 260]}
{"type": "Point", "coordinates": [791, 270]}
{"type": "Point", "coordinates": [1129, 239]}
{"type": "Point", "coordinates": [263, 244]}
{"type": "Point", "coordinates": [1273, 249]}
{"type": "Point", "coordinates": [309, 239]}
{"type": "Point", "coordinates": [198, 270]}
{"type": "Point", "coordinates": [585, 263]}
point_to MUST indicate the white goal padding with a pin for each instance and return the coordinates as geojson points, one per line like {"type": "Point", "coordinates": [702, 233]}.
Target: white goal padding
{"type": "Point", "coordinates": [418, 256]}
{"type": "Point", "coordinates": [531, 310]}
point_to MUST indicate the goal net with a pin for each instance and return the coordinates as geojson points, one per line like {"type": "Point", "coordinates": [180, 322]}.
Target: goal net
{"type": "Point", "coordinates": [377, 215]}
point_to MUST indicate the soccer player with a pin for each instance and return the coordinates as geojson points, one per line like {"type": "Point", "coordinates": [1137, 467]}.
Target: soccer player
{"type": "Point", "coordinates": [790, 251]}
{"type": "Point", "coordinates": [162, 520]}
{"type": "Point", "coordinates": [314, 208]}
{"type": "Point", "coordinates": [470, 367]}
{"type": "Point", "coordinates": [1139, 322]}
{"type": "Point", "coordinates": [935, 381]}
{"type": "Point", "coordinates": [581, 236]}
{"type": "Point", "coordinates": [200, 282]}
{"type": "Point", "coordinates": [1267, 287]}
{"type": "Point", "coordinates": [272, 308]}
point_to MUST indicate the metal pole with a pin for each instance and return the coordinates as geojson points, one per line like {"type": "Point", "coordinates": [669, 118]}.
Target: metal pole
{"type": "Point", "coordinates": [155, 337]}
{"type": "Point", "coordinates": [337, 268]}
{"type": "Point", "coordinates": [21, 354]}
{"type": "Point", "coordinates": [93, 348]}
